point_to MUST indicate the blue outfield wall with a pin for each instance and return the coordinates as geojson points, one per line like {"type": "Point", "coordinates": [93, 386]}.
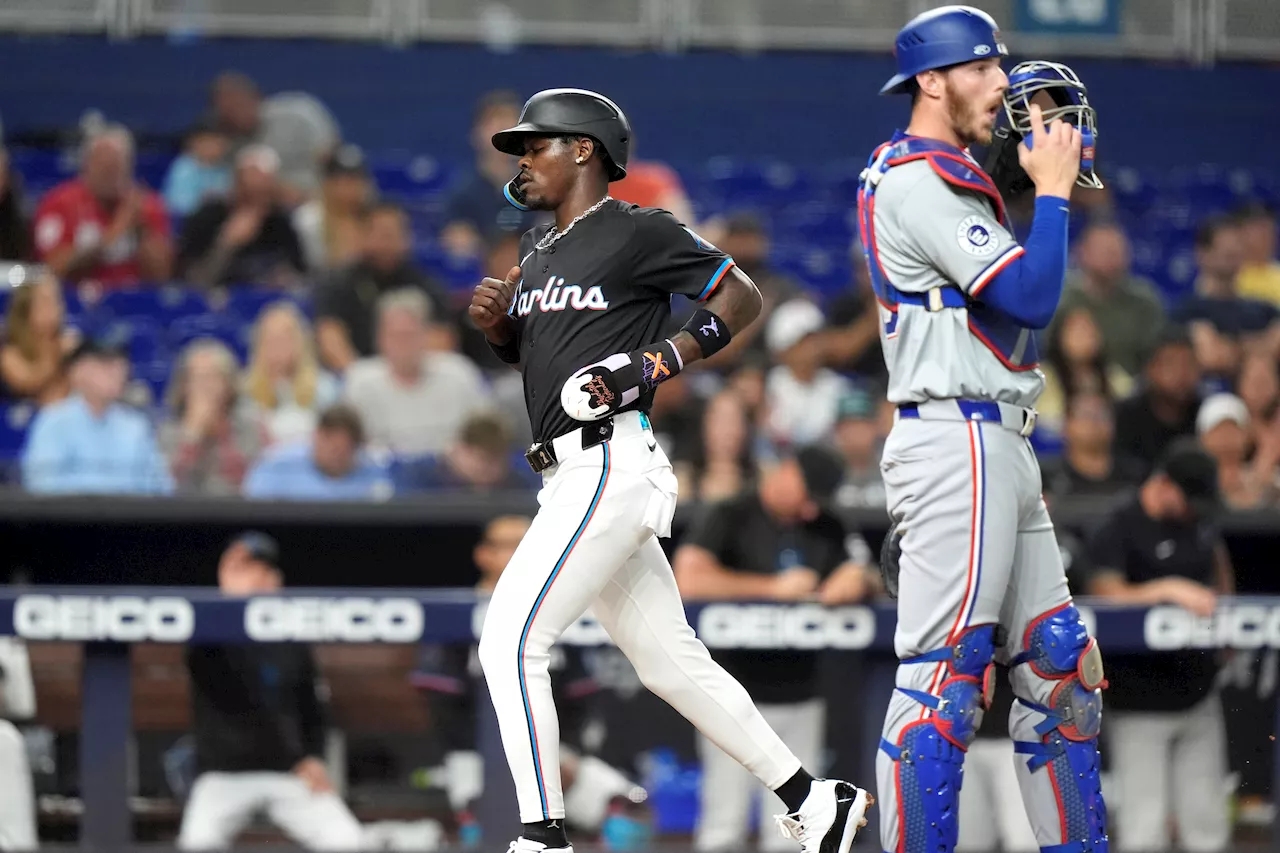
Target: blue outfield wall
{"type": "Point", "coordinates": [794, 106]}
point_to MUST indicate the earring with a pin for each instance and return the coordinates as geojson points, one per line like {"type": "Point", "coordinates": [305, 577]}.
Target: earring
{"type": "Point", "coordinates": [579, 161]}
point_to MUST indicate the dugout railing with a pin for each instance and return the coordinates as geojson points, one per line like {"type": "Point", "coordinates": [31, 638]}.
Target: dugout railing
{"type": "Point", "coordinates": [108, 619]}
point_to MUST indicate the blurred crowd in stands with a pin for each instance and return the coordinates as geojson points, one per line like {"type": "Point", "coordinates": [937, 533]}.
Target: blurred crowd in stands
{"type": "Point", "coordinates": [269, 321]}
{"type": "Point", "coordinates": [276, 318]}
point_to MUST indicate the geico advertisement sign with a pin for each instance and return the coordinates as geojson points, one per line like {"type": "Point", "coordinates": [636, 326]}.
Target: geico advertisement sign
{"type": "Point", "coordinates": [110, 618]}
{"type": "Point", "coordinates": [806, 626]}
{"type": "Point", "coordinates": [585, 631]}
{"type": "Point", "coordinates": [1236, 626]}
{"type": "Point", "coordinates": [747, 626]}
{"type": "Point", "coordinates": [346, 620]}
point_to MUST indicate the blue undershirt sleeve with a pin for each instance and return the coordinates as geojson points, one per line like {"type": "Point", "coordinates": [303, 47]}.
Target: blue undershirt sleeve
{"type": "Point", "coordinates": [1027, 288]}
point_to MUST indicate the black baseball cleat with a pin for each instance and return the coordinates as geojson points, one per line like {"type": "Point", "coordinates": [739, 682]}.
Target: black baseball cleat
{"type": "Point", "coordinates": [829, 817]}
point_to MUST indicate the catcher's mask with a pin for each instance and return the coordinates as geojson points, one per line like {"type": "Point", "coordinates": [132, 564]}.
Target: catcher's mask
{"type": "Point", "coordinates": [1071, 104]}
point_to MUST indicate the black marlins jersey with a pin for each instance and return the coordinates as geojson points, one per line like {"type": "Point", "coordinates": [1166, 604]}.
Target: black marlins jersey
{"type": "Point", "coordinates": [604, 287]}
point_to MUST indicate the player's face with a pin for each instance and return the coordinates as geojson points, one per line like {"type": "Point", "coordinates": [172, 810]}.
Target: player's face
{"type": "Point", "coordinates": [974, 98]}
{"type": "Point", "coordinates": [547, 170]}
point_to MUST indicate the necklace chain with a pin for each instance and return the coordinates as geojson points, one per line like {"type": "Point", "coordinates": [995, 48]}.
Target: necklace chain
{"type": "Point", "coordinates": [550, 238]}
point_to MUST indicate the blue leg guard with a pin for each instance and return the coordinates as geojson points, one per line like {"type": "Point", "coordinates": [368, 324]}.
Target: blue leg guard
{"type": "Point", "coordinates": [1059, 650]}
{"type": "Point", "coordinates": [930, 752]}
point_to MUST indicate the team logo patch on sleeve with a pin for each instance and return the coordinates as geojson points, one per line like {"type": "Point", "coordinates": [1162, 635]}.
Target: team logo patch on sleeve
{"type": "Point", "coordinates": [977, 236]}
{"type": "Point", "coordinates": [705, 245]}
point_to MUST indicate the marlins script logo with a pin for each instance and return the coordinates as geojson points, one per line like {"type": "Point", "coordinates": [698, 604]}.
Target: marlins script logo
{"type": "Point", "coordinates": [555, 295]}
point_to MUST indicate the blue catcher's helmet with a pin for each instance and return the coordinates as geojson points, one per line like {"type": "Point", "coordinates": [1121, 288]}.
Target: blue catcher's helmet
{"type": "Point", "coordinates": [949, 35]}
{"type": "Point", "coordinates": [1070, 104]}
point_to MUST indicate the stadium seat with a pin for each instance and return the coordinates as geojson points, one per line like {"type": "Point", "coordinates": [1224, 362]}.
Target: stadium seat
{"type": "Point", "coordinates": [246, 303]}
{"type": "Point", "coordinates": [455, 272]}
{"type": "Point", "coordinates": [155, 374]}
{"type": "Point", "coordinates": [407, 177]}
{"type": "Point", "coordinates": [164, 304]}
{"type": "Point", "coordinates": [151, 167]}
{"type": "Point", "coordinates": [15, 419]}
{"type": "Point", "coordinates": [143, 337]}
{"type": "Point", "coordinates": [807, 206]}
{"type": "Point", "coordinates": [825, 271]}
{"type": "Point", "coordinates": [229, 329]}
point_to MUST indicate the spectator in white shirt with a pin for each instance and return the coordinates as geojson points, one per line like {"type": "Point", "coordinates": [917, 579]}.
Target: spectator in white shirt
{"type": "Point", "coordinates": [802, 395]}
{"type": "Point", "coordinates": [412, 401]}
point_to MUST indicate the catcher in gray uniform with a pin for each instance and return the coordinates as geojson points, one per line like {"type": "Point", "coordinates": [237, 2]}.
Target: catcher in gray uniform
{"type": "Point", "coordinates": [973, 553]}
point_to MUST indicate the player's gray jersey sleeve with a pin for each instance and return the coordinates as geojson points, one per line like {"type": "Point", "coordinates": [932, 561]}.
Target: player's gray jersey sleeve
{"type": "Point", "coordinates": [955, 232]}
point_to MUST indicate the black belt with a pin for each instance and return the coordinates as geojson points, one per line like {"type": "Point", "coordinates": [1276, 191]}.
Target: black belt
{"type": "Point", "coordinates": [542, 455]}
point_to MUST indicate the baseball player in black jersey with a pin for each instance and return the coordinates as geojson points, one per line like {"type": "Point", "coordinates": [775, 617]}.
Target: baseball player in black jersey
{"type": "Point", "coordinates": [581, 318]}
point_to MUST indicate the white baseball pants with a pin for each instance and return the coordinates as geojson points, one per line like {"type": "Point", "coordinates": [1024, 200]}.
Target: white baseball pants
{"type": "Point", "coordinates": [594, 544]}
{"type": "Point", "coordinates": [17, 797]}
{"type": "Point", "coordinates": [727, 791]}
{"type": "Point", "coordinates": [221, 805]}
{"type": "Point", "coordinates": [1171, 766]}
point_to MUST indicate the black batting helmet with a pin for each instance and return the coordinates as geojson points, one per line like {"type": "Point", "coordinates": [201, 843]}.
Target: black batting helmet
{"type": "Point", "coordinates": [572, 112]}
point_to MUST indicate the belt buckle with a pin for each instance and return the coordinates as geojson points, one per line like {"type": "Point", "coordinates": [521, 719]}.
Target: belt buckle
{"type": "Point", "coordinates": [540, 457]}
{"type": "Point", "coordinates": [1029, 417]}
{"type": "Point", "coordinates": [597, 433]}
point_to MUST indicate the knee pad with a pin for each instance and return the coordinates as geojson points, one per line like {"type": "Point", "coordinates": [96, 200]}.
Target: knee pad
{"type": "Point", "coordinates": [967, 688]}
{"type": "Point", "coordinates": [1058, 648]}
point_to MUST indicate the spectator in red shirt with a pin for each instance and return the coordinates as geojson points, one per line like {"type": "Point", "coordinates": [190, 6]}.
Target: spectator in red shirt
{"type": "Point", "coordinates": [104, 226]}
{"type": "Point", "coordinates": [650, 183]}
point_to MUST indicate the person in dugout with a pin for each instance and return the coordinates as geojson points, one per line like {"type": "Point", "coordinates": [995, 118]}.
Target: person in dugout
{"type": "Point", "coordinates": [260, 729]}
{"type": "Point", "coordinates": [450, 676]}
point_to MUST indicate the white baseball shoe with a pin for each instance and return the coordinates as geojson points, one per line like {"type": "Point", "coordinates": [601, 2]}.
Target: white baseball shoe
{"type": "Point", "coordinates": [523, 845]}
{"type": "Point", "coordinates": [829, 817]}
